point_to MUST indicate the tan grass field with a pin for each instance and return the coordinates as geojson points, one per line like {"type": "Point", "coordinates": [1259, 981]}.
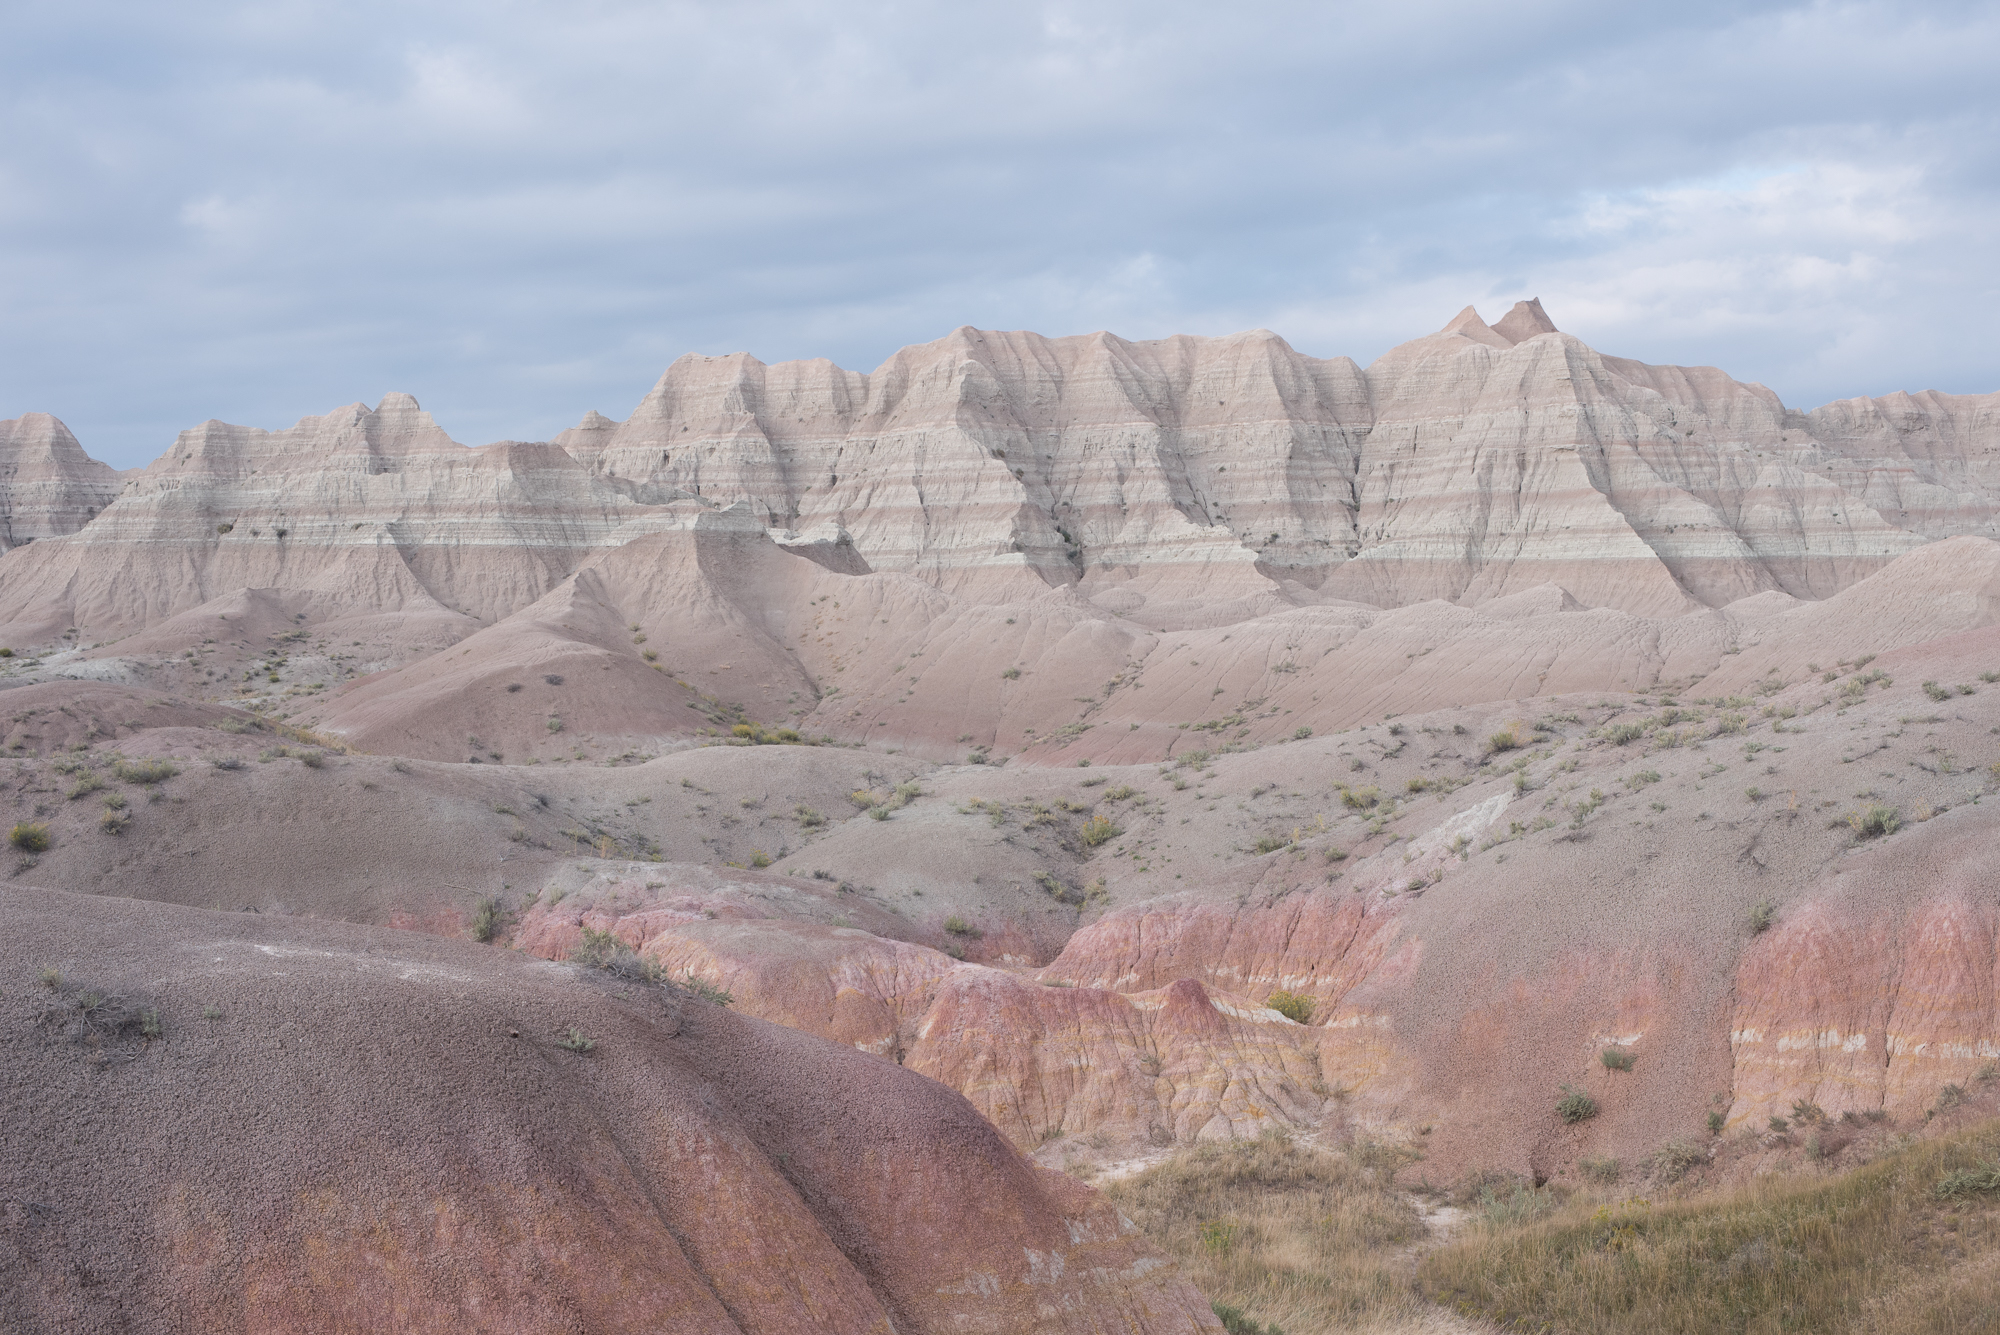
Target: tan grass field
{"type": "Point", "coordinates": [1311, 1241]}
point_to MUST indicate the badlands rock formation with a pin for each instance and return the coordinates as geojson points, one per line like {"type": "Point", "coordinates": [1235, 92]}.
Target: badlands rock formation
{"type": "Point", "coordinates": [1028, 712]}
{"type": "Point", "coordinates": [221, 1121]}
{"type": "Point", "coordinates": [48, 486]}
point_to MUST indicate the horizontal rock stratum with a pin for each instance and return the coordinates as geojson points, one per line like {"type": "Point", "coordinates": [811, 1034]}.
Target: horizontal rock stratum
{"type": "Point", "coordinates": [1017, 720]}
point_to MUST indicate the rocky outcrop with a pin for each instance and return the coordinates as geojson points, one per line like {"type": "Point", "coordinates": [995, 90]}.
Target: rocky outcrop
{"type": "Point", "coordinates": [361, 509]}
{"type": "Point", "coordinates": [1472, 465]}
{"type": "Point", "coordinates": [48, 486]}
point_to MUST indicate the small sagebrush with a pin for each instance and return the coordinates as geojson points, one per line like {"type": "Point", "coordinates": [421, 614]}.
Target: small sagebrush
{"type": "Point", "coordinates": [145, 770]}
{"type": "Point", "coordinates": [30, 837]}
{"type": "Point", "coordinates": [1874, 822]}
{"type": "Point", "coordinates": [1294, 1006]}
{"type": "Point", "coordinates": [1575, 1106]}
{"type": "Point", "coordinates": [486, 919]}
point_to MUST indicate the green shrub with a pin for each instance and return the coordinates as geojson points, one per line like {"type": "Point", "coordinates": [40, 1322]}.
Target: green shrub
{"type": "Point", "coordinates": [1618, 734]}
{"type": "Point", "coordinates": [958, 926]}
{"type": "Point", "coordinates": [86, 784]}
{"type": "Point", "coordinates": [1964, 1183]}
{"type": "Point", "coordinates": [145, 771]}
{"type": "Point", "coordinates": [1762, 916]}
{"type": "Point", "coordinates": [1617, 1059]}
{"type": "Point", "coordinates": [597, 949]}
{"type": "Point", "coordinates": [1937, 692]}
{"type": "Point", "coordinates": [1098, 830]}
{"type": "Point", "coordinates": [486, 919]}
{"type": "Point", "coordinates": [1575, 1106]}
{"type": "Point", "coordinates": [573, 1040]}
{"type": "Point", "coordinates": [1875, 822]}
{"type": "Point", "coordinates": [1271, 843]}
{"type": "Point", "coordinates": [1011, 673]}
{"type": "Point", "coordinates": [30, 837]}
{"type": "Point", "coordinates": [1509, 740]}
{"type": "Point", "coordinates": [1300, 733]}
{"type": "Point", "coordinates": [1294, 1006]}
{"type": "Point", "coordinates": [1361, 799]}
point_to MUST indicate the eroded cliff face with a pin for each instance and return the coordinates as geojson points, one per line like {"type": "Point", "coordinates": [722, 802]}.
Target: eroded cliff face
{"type": "Point", "coordinates": [1469, 465]}
{"type": "Point", "coordinates": [359, 510]}
{"type": "Point", "coordinates": [48, 486]}
{"type": "Point", "coordinates": [1169, 479]}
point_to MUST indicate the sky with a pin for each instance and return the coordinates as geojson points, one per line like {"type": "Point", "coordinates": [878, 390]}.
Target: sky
{"type": "Point", "coordinates": [522, 211]}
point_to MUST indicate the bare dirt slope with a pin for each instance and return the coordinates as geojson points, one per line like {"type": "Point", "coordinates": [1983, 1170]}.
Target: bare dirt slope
{"type": "Point", "coordinates": [231, 1121]}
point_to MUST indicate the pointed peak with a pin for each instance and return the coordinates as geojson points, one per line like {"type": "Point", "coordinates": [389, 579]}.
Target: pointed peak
{"type": "Point", "coordinates": [1525, 321]}
{"type": "Point", "coordinates": [1464, 320]}
{"type": "Point", "coordinates": [594, 421]}
{"type": "Point", "coordinates": [1467, 324]}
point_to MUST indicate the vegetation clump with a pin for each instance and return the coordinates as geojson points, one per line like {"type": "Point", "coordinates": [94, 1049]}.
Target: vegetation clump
{"type": "Point", "coordinates": [1575, 1105]}
{"type": "Point", "coordinates": [1294, 1006]}
{"type": "Point", "coordinates": [1099, 830]}
{"type": "Point", "coordinates": [601, 949]}
{"type": "Point", "coordinates": [486, 919]}
{"type": "Point", "coordinates": [30, 836]}
{"type": "Point", "coordinates": [1874, 822]}
{"type": "Point", "coordinates": [1618, 1058]}
{"type": "Point", "coordinates": [145, 771]}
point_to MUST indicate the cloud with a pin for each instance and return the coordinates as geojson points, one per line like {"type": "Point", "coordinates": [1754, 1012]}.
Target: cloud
{"type": "Point", "coordinates": [522, 211]}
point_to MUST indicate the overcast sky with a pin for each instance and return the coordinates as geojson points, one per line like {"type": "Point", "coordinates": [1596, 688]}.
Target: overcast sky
{"type": "Point", "coordinates": [518, 211]}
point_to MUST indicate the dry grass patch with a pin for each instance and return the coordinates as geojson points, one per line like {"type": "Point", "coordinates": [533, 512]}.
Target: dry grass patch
{"type": "Point", "coordinates": [1286, 1233]}
{"type": "Point", "coordinates": [1899, 1247]}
